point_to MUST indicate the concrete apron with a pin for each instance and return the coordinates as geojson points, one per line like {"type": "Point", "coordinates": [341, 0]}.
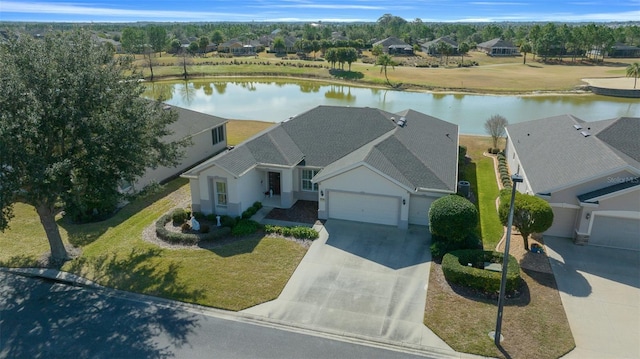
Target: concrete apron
{"type": "Point", "coordinates": [362, 280]}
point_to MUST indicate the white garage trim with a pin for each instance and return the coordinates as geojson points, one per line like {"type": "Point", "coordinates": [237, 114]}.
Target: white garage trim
{"type": "Point", "coordinates": [419, 209]}
{"type": "Point", "coordinates": [619, 214]}
{"type": "Point", "coordinates": [363, 207]}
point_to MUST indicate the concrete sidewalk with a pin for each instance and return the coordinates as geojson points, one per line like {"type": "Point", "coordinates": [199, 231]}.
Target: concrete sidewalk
{"type": "Point", "coordinates": [361, 279]}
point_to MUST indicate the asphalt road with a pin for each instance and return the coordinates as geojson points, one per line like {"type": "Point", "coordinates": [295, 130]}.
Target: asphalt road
{"type": "Point", "coordinates": [45, 319]}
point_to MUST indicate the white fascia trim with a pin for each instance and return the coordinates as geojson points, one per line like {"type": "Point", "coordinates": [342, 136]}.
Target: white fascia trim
{"type": "Point", "coordinates": [616, 194]}
{"type": "Point", "coordinates": [564, 205]}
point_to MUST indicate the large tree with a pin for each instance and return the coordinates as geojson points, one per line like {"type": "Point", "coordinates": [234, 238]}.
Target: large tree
{"type": "Point", "coordinates": [531, 214]}
{"type": "Point", "coordinates": [73, 126]}
{"type": "Point", "coordinates": [495, 126]}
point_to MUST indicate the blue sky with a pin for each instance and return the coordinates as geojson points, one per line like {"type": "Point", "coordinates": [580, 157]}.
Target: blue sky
{"type": "Point", "coordinates": [315, 10]}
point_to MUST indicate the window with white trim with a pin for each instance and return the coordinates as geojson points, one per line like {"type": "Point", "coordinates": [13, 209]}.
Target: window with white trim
{"type": "Point", "coordinates": [221, 193]}
{"type": "Point", "coordinates": [307, 185]}
{"type": "Point", "coordinates": [217, 135]}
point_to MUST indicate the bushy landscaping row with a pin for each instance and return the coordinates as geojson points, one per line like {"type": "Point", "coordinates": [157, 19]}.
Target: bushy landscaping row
{"type": "Point", "coordinates": [466, 268]}
{"type": "Point", "coordinates": [503, 168]}
{"type": "Point", "coordinates": [298, 232]}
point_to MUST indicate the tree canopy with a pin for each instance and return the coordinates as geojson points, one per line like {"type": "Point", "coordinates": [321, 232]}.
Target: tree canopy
{"type": "Point", "coordinates": [495, 127]}
{"type": "Point", "coordinates": [531, 214]}
{"type": "Point", "coordinates": [72, 127]}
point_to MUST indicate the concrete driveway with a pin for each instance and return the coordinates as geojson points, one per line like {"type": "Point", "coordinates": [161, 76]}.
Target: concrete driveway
{"type": "Point", "coordinates": [600, 291]}
{"type": "Point", "coordinates": [363, 280]}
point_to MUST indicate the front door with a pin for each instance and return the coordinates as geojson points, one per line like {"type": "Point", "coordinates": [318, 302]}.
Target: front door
{"type": "Point", "coordinates": [274, 182]}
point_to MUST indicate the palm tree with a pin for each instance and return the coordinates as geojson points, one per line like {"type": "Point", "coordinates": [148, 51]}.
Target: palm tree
{"type": "Point", "coordinates": [279, 45]}
{"type": "Point", "coordinates": [385, 60]}
{"type": "Point", "coordinates": [525, 49]}
{"type": "Point", "coordinates": [463, 49]}
{"type": "Point", "coordinates": [633, 70]}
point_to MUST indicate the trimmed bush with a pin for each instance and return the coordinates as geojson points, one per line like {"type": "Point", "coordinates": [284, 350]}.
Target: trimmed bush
{"type": "Point", "coordinates": [199, 216]}
{"type": "Point", "coordinates": [227, 221]}
{"type": "Point", "coordinates": [456, 269]}
{"type": "Point", "coordinates": [299, 232]}
{"type": "Point", "coordinates": [186, 238]}
{"type": "Point", "coordinates": [453, 217]}
{"type": "Point", "coordinates": [245, 227]}
{"type": "Point", "coordinates": [441, 246]}
{"type": "Point", "coordinates": [179, 216]}
{"type": "Point", "coordinates": [257, 205]}
{"type": "Point", "coordinates": [186, 227]}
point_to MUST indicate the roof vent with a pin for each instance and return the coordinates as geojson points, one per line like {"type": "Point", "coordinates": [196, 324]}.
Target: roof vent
{"type": "Point", "coordinates": [167, 108]}
{"type": "Point", "coordinates": [586, 133]}
{"type": "Point", "coordinates": [393, 119]}
{"type": "Point", "coordinates": [402, 121]}
{"type": "Point", "coordinates": [577, 127]}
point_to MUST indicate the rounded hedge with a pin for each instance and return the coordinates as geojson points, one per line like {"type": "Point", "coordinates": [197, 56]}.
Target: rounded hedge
{"type": "Point", "coordinates": [186, 238]}
{"type": "Point", "coordinates": [456, 269]}
{"type": "Point", "coordinates": [453, 217]}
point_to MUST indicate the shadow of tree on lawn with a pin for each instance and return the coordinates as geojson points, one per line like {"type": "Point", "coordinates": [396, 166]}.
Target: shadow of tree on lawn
{"type": "Point", "coordinates": [137, 272]}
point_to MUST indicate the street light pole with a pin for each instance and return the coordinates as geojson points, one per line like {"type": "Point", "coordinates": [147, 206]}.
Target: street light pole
{"type": "Point", "coordinates": [516, 178]}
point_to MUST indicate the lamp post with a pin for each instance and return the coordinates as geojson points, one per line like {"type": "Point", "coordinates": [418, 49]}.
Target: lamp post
{"type": "Point", "coordinates": [515, 178]}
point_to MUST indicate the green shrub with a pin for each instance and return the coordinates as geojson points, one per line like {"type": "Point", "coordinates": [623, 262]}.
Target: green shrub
{"type": "Point", "coordinates": [456, 269]}
{"type": "Point", "coordinates": [186, 238]}
{"type": "Point", "coordinates": [245, 227]}
{"type": "Point", "coordinates": [199, 216]}
{"type": "Point", "coordinates": [249, 213]}
{"type": "Point", "coordinates": [453, 217]}
{"type": "Point", "coordinates": [179, 216]}
{"type": "Point", "coordinates": [211, 217]}
{"type": "Point", "coordinates": [299, 232]}
{"type": "Point", "coordinates": [204, 228]}
{"type": "Point", "coordinates": [441, 246]}
{"type": "Point", "coordinates": [500, 157]}
{"type": "Point", "coordinates": [227, 221]}
{"type": "Point", "coordinates": [257, 205]}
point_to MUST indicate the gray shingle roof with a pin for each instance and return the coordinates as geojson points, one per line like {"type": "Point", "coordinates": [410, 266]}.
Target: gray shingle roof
{"type": "Point", "coordinates": [555, 154]}
{"type": "Point", "coordinates": [497, 42]}
{"type": "Point", "coordinates": [590, 196]}
{"type": "Point", "coordinates": [418, 155]}
{"type": "Point", "coordinates": [190, 123]}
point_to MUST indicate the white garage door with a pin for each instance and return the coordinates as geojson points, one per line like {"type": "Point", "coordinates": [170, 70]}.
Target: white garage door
{"type": "Point", "coordinates": [615, 232]}
{"type": "Point", "coordinates": [364, 207]}
{"type": "Point", "coordinates": [419, 210]}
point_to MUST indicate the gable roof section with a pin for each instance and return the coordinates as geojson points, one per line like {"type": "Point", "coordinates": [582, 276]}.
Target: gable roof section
{"type": "Point", "coordinates": [417, 155]}
{"type": "Point", "coordinates": [623, 135]}
{"type": "Point", "coordinates": [191, 123]}
{"type": "Point", "coordinates": [390, 41]}
{"type": "Point", "coordinates": [327, 133]}
{"type": "Point", "coordinates": [555, 153]}
{"type": "Point", "coordinates": [446, 39]}
{"type": "Point", "coordinates": [275, 147]}
{"type": "Point", "coordinates": [497, 42]}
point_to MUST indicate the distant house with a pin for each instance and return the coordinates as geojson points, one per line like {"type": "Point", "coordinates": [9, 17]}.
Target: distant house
{"type": "Point", "coordinates": [238, 48]}
{"type": "Point", "coordinates": [589, 172]}
{"type": "Point", "coordinates": [358, 164]}
{"type": "Point", "coordinates": [208, 137]}
{"type": "Point", "coordinates": [431, 47]}
{"type": "Point", "coordinates": [621, 50]}
{"type": "Point", "coordinates": [394, 46]}
{"type": "Point", "coordinates": [498, 47]}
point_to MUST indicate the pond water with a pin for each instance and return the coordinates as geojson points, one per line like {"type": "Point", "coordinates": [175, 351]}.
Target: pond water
{"type": "Point", "coordinates": [276, 100]}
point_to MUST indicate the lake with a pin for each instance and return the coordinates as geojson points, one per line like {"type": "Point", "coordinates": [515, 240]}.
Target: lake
{"type": "Point", "coordinates": [277, 100]}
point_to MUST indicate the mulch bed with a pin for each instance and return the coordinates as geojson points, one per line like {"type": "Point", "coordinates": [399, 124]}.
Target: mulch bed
{"type": "Point", "coordinates": [302, 212]}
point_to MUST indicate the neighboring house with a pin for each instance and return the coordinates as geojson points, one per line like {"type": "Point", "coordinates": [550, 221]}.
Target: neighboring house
{"type": "Point", "coordinates": [431, 47]}
{"type": "Point", "coordinates": [394, 46]}
{"type": "Point", "coordinates": [498, 47]}
{"type": "Point", "coordinates": [621, 50]}
{"type": "Point", "coordinates": [359, 164]}
{"type": "Point", "coordinates": [588, 171]}
{"type": "Point", "coordinates": [208, 137]}
{"type": "Point", "coordinates": [237, 48]}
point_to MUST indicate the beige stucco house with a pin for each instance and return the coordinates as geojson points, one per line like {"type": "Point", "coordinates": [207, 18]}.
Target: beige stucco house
{"type": "Point", "coordinates": [208, 137]}
{"type": "Point", "coordinates": [359, 164]}
{"type": "Point", "coordinates": [589, 172]}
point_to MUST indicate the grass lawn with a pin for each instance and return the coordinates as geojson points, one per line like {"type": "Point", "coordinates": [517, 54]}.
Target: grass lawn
{"type": "Point", "coordinates": [236, 276]}
{"type": "Point", "coordinates": [493, 75]}
{"type": "Point", "coordinates": [534, 324]}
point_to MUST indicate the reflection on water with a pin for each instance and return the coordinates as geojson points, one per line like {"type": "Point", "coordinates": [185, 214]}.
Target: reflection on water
{"type": "Point", "coordinates": [274, 100]}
